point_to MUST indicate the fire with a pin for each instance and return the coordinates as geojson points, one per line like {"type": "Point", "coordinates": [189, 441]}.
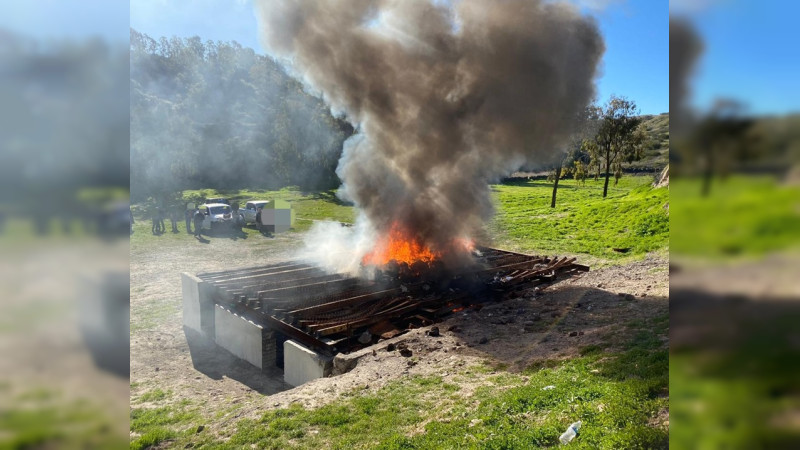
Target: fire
{"type": "Point", "coordinates": [400, 246]}
{"type": "Point", "coordinates": [403, 247]}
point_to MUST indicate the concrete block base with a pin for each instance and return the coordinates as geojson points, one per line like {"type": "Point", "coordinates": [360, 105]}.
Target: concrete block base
{"type": "Point", "coordinates": [244, 338]}
{"type": "Point", "coordinates": [198, 306]}
{"type": "Point", "coordinates": [301, 365]}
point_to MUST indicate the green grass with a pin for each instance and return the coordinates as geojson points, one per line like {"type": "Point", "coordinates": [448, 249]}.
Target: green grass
{"type": "Point", "coordinates": [155, 395]}
{"type": "Point", "coordinates": [631, 217]}
{"type": "Point", "coordinates": [155, 425]}
{"type": "Point", "coordinates": [615, 395]}
{"type": "Point", "coordinates": [740, 391]}
{"type": "Point", "coordinates": [40, 419]}
{"type": "Point", "coordinates": [744, 216]}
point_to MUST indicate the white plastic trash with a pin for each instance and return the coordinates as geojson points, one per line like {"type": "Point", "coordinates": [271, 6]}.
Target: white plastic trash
{"type": "Point", "coordinates": [570, 434]}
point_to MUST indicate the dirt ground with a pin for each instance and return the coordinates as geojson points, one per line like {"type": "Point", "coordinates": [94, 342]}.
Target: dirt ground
{"type": "Point", "coordinates": [46, 364]}
{"type": "Point", "coordinates": [510, 335]}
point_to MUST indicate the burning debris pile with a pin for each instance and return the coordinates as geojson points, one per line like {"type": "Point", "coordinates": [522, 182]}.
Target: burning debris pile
{"type": "Point", "coordinates": [446, 97]}
{"type": "Point", "coordinates": [337, 313]}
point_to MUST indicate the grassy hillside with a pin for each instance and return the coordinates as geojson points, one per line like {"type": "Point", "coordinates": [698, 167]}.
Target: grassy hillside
{"type": "Point", "coordinates": [656, 154]}
{"type": "Point", "coordinates": [744, 216]}
{"type": "Point", "coordinates": [632, 219]}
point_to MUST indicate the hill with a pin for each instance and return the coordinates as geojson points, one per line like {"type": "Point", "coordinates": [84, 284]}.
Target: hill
{"type": "Point", "coordinates": [656, 154]}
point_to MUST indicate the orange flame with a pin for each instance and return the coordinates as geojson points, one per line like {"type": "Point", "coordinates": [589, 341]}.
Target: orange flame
{"type": "Point", "coordinates": [400, 246]}
{"type": "Point", "coordinates": [403, 247]}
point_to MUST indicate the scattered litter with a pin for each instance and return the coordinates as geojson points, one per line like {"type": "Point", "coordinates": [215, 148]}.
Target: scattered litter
{"type": "Point", "coordinates": [570, 434]}
{"type": "Point", "coordinates": [547, 388]}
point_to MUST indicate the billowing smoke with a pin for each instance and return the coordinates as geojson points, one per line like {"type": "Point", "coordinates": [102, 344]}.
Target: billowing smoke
{"type": "Point", "coordinates": [446, 97]}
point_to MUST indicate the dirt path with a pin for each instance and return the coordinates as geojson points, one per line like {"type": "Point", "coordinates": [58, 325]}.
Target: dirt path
{"type": "Point", "coordinates": [509, 335]}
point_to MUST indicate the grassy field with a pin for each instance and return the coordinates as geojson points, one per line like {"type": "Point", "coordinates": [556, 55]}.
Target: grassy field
{"type": "Point", "coordinates": [615, 395]}
{"type": "Point", "coordinates": [743, 217]}
{"type": "Point", "coordinates": [632, 219]}
{"type": "Point", "coordinates": [618, 394]}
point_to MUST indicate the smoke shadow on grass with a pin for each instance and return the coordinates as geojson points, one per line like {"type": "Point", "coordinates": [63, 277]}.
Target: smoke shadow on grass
{"type": "Point", "coordinates": [215, 362]}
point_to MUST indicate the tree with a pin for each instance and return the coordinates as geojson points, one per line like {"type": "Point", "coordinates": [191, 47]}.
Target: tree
{"type": "Point", "coordinates": [618, 138]}
{"type": "Point", "coordinates": [574, 152]}
{"type": "Point", "coordinates": [719, 140]}
{"type": "Point", "coordinates": [218, 115]}
{"type": "Point", "coordinates": [579, 172]}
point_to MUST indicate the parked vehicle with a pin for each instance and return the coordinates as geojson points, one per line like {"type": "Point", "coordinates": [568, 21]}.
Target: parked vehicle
{"type": "Point", "coordinates": [248, 214]}
{"type": "Point", "coordinates": [219, 216]}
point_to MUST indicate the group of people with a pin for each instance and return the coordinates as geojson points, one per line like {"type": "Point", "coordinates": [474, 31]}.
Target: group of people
{"type": "Point", "coordinates": [159, 215]}
{"type": "Point", "coordinates": [158, 221]}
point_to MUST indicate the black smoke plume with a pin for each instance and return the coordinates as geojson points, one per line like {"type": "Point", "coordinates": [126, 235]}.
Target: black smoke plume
{"type": "Point", "coordinates": [447, 97]}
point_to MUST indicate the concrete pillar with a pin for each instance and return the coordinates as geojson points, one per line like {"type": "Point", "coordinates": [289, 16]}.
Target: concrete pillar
{"type": "Point", "coordinates": [198, 305]}
{"type": "Point", "coordinates": [301, 365]}
{"type": "Point", "coordinates": [243, 338]}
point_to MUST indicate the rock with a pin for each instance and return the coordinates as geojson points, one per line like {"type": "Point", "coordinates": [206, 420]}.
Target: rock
{"type": "Point", "coordinates": [390, 334]}
{"type": "Point", "coordinates": [411, 363]}
{"type": "Point", "coordinates": [483, 340]}
{"type": "Point", "coordinates": [390, 348]}
{"type": "Point", "coordinates": [365, 338]}
{"type": "Point", "coordinates": [580, 333]}
{"type": "Point", "coordinates": [629, 297]}
{"type": "Point", "coordinates": [434, 332]}
{"type": "Point", "coordinates": [200, 428]}
{"type": "Point", "coordinates": [573, 333]}
{"type": "Point", "coordinates": [528, 323]}
{"type": "Point", "coordinates": [406, 352]}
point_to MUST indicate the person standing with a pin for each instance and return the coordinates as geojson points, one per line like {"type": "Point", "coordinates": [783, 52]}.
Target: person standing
{"type": "Point", "coordinates": [198, 222]}
{"type": "Point", "coordinates": [258, 219]}
{"type": "Point", "coordinates": [154, 217]}
{"type": "Point", "coordinates": [173, 218]}
{"type": "Point", "coordinates": [187, 216]}
{"type": "Point", "coordinates": [161, 213]}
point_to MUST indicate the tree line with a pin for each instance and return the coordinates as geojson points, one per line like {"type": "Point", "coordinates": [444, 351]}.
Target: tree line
{"type": "Point", "coordinates": [216, 114]}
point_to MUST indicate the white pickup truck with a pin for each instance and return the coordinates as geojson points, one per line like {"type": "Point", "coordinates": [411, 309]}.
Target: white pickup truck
{"type": "Point", "coordinates": [218, 216]}
{"type": "Point", "coordinates": [248, 213]}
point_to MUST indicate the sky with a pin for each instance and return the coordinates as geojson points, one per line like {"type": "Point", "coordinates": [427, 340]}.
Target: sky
{"type": "Point", "coordinates": [59, 19]}
{"type": "Point", "coordinates": [750, 53]}
{"type": "Point", "coordinates": [750, 50]}
{"type": "Point", "coordinates": [636, 63]}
